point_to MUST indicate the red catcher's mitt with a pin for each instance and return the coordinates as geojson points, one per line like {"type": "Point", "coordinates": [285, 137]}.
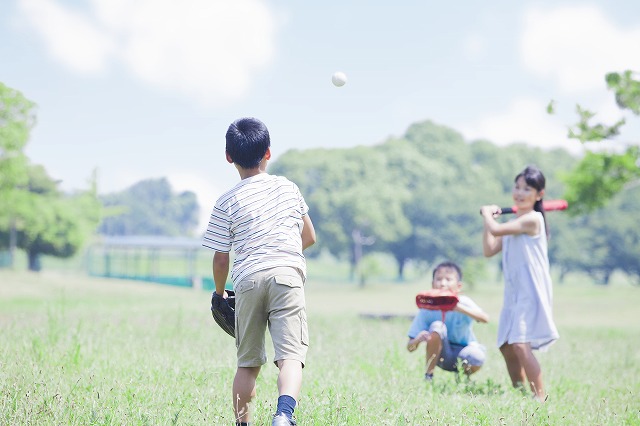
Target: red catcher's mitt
{"type": "Point", "coordinates": [437, 300]}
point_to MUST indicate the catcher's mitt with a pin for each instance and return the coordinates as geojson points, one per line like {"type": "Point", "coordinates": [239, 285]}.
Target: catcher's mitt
{"type": "Point", "coordinates": [223, 311]}
{"type": "Point", "coordinates": [437, 300]}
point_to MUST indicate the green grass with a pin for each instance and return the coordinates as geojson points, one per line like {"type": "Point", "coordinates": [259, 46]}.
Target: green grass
{"type": "Point", "coordinates": [86, 351]}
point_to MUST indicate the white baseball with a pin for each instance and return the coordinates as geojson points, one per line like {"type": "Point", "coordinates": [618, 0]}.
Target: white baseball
{"type": "Point", "coordinates": [339, 79]}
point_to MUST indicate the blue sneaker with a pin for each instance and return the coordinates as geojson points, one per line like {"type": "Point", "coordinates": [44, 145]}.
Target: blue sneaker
{"type": "Point", "coordinates": [282, 420]}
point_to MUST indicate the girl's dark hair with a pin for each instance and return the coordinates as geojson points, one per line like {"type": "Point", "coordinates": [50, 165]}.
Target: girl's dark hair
{"type": "Point", "coordinates": [247, 142]}
{"type": "Point", "coordinates": [535, 179]}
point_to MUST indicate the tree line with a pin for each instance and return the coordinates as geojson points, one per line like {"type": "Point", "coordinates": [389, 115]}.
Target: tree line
{"type": "Point", "coordinates": [415, 197]}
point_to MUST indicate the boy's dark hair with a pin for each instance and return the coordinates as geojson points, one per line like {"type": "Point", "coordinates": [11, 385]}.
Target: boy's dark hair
{"type": "Point", "coordinates": [451, 265]}
{"type": "Point", "coordinates": [535, 179]}
{"type": "Point", "coordinates": [247, 142]}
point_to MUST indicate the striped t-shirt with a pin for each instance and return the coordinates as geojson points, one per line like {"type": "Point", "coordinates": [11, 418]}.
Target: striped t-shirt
{"type": "Point", "coordinates": [261, 219]}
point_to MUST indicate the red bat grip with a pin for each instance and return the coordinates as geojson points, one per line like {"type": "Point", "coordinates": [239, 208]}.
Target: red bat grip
{"type": "Point", "coordinates": [548, 206]}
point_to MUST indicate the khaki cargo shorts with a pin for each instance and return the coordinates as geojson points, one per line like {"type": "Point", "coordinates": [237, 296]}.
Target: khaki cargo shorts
{"type": "Point", "coordinates": [271, 298]}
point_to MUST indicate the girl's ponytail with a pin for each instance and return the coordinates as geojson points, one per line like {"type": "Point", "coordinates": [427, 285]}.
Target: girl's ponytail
{"type": "Point", "coordinates": [537, 206]}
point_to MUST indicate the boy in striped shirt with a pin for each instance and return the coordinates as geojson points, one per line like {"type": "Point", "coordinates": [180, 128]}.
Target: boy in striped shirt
{"type": "Point", "coordinates": [265, 219]}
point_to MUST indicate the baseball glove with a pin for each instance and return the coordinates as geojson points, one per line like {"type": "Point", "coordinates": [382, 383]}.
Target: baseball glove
{"type": "Point", "coordinates": [437, 300]}
{"type": "Point", "coordinates": [223, 311]}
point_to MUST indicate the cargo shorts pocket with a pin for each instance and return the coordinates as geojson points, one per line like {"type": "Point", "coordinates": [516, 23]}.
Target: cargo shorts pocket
{"type": "Point", "coordinates": [244, 286]}
{"type": "Point", "coordinates": [288, 280]}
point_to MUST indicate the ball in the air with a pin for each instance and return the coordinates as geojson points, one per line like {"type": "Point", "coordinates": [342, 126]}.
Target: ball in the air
{"type": "Point", "coordinates": [339, 79]}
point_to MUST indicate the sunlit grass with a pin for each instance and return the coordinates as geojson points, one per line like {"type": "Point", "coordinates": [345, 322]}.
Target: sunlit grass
{"type": "Point", "coordinates": [80, 351]}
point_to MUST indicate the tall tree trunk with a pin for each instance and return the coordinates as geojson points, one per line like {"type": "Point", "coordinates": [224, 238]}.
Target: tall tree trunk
{"type": "Point", "coordinates": [13, 241]}
{"type": "Point", "coordinates": [401, 264]}
{"type": "Point", "coordinates": [359, 241]}
{"type": "Point", "coordinates": [34, 261]}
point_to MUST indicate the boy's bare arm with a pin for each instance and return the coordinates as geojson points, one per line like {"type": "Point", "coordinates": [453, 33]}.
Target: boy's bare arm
{"type": "Point", "coordinates": [220, 270]}
{"type": "Point", "coordinates": [308, 232]}
{"type": "Point", "coordinates": [477, 314]}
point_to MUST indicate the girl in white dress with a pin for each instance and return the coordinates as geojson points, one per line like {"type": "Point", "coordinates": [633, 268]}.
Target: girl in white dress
{"type": "Point", "coordinates": [526, 321]}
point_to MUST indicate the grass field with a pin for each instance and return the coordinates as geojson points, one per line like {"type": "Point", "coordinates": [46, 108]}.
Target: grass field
{"type": "Point", "coordinates": [85, 351]}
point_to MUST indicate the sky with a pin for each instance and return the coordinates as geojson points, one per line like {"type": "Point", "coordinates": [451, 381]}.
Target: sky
{"type": "Point", "coordinates": [140, 89]}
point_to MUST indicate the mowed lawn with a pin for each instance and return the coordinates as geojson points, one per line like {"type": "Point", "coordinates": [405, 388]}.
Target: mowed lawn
{"type": "Point", "coordinates": [85, 351]}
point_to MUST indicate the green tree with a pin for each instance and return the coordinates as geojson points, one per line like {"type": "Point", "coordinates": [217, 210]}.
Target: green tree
{"type": "Point", "coordinates": [354, 206]}
{"type": "Point", "coordinates": [34, 215]}
{"type": "Point", "coordinates": [614, 240]}
{"type": "Point", "coordinates": [150, 207]}
{"type": "Point", "coordinates": [570, 244]}
{"type": "Point", "coordinates": [603, 173]}
{"type": "Point", "coordinates": [51, 222]}
{"type": "Point", "coordinates": [16, 120]}
{"type": "Point", "coordinates": [435, 163]}
{"type": "Point", "coordinates": [415, 197]}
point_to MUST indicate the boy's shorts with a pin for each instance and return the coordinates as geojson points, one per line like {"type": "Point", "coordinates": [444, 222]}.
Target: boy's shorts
{"type": "Point", "coordinates": [274, 298]}
{"type": "Point", "coordinates": [472, 354]}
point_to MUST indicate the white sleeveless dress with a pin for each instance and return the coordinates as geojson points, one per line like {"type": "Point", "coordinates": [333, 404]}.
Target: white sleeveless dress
{"type": "Point", "coordinates": [526, 315]}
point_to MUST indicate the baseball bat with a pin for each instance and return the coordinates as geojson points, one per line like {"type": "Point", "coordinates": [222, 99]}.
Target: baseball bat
{"type": "Point", "coordinates": [548, 206]}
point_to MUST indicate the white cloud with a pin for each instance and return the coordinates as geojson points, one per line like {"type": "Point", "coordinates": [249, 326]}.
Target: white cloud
{"type": "Point", "coordinates": [524, 121]}
{"type": "Point", "coordinates": [69, 36]}
{"type": "Point", "coordinates": [204, 49]}
{"type": "Point", "coordinates": [576, 46]}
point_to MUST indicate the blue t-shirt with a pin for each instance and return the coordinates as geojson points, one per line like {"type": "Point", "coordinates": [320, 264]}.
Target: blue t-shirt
{"type": "Point", "coordinates": [459, 325]}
